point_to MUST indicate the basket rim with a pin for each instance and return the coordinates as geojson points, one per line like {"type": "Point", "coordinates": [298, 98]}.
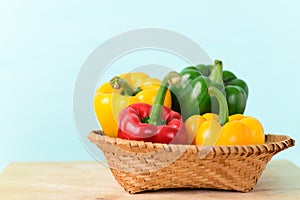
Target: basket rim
{"type": "Point", "coordinates": [97, 136]}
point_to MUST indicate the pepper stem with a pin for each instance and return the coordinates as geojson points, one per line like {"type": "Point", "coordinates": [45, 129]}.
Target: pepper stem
{"type": "Point", "coordinates": [223, 107]}
{"type": "Point", "coordinates": [172, 78]}
{"type": "Point", "coordinates": [120, 83]}
{"type": "Point", "coordinates": [216, 73]}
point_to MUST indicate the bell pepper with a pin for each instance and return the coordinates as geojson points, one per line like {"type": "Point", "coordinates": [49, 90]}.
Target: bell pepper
{"type": "Point", "coordinates": [157, 123]}
{"type": "Point", "coordinates": [236, 93]}
{"type": "Point", "coordinates": [211, 129]}
{"type": "Point", "coordinates": [191, 97]}
{"type": "Point", "coordinates": [120, 92]}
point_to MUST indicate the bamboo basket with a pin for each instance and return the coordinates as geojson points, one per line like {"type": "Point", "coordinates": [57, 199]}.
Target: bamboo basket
{"type": "Point", "coordinates": [139, 166]}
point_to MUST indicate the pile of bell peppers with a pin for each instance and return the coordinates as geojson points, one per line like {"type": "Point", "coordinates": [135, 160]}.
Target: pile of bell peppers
{"type": "Point", "coordinates": [201, 105]}
{"type": "Point", "coordinates": [122, 91]}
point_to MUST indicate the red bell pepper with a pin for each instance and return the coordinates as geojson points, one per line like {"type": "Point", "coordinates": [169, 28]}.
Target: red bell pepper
{"type": "Point", "coordinates": [156, 123]}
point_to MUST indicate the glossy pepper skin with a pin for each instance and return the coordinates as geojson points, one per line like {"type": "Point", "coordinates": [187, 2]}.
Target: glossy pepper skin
{"type": "Point", "coordinates": [156, 123]}
{"type": "Point", "coordinates": [131, 126]}
{"type": "Point", "coordinates": [108, 102]}
{"type": "Point", "coordinates": [236, 93]}
{"type": "Point", "coordinates": [211, 129]}
{"type": "Point", "coordinates": [191, 97]}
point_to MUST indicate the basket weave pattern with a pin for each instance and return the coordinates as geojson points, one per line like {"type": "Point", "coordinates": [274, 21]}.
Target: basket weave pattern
{"type": "Point", "coordinates": [140, 166]}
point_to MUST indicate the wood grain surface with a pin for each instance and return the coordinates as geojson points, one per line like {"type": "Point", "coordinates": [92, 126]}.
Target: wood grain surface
{"type": "Point", "coordinates": [91, 180]}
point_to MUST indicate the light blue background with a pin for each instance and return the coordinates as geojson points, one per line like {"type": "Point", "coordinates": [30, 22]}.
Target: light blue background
{"type": "Point", "coordinates": [44, 43]}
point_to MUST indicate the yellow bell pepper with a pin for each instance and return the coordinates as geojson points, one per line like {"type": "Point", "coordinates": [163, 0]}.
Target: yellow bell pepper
{"type": "Point", "coordinates": [108, 102]}
{"type": "Point", "coordinates": [211, 129]}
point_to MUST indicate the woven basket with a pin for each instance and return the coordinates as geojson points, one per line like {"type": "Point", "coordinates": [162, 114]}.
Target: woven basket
{"type": "Point", "coordinates": [140, 166]}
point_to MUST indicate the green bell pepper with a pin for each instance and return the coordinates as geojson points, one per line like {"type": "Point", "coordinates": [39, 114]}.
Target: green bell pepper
{"type": "Point", "coordinates": [236, 93]}
{"type": "Point", "coordinates": [191, 96]}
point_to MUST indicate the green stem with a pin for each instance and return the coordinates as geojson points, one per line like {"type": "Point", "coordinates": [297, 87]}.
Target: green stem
{"type": "Point", "coordinates": [223, 107]}
{"type": "Point", "coordinates": [120, 83]}
{"type": "Point", "coordinates": [172, 78]}
{"type": "Point", "coordinates": [216, 73]}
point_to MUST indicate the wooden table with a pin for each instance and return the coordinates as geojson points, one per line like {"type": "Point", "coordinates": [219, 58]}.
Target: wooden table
{"type": "Point", "coordinates": [91, 180]}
